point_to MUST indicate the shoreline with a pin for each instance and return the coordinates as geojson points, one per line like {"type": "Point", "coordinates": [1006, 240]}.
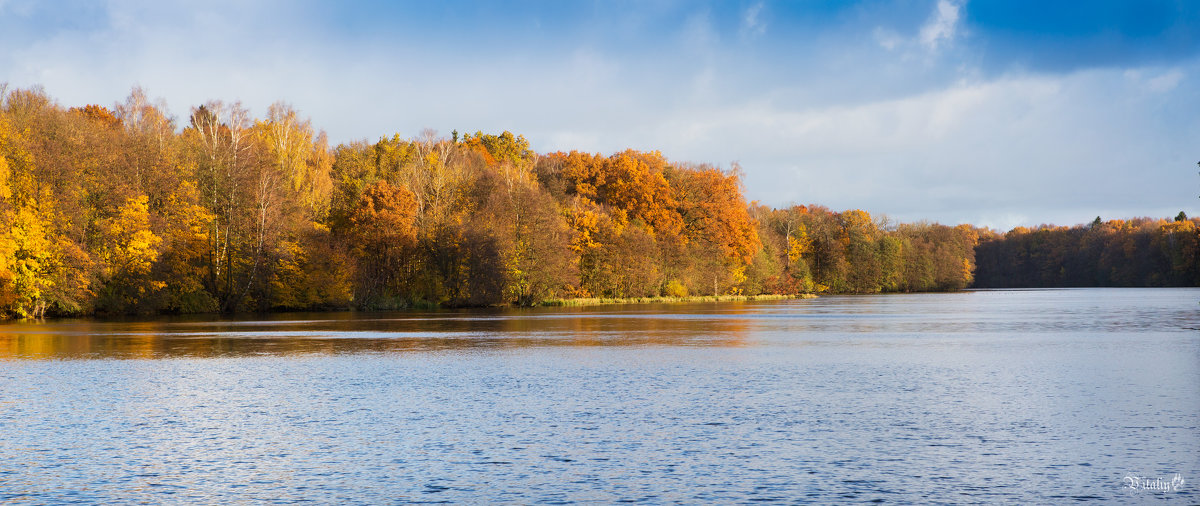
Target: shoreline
{"type": "Point", "coordinates": [600, 301]}
{"type": "Point", "coordinates": [578, 302]}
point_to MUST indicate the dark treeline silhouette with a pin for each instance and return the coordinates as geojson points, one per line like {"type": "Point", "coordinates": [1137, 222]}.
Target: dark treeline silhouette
{"type": "Point", "coordinates": [127, 211]}
{"type": "Point", "coordinates": [1138, 252]}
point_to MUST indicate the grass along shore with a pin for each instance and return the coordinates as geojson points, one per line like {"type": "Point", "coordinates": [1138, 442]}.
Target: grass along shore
{"type": "Point", "coordinates": [671, 300]}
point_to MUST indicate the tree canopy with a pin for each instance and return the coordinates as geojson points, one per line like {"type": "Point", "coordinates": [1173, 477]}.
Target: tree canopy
{"type": "Point", "coordinates": [122, 210]}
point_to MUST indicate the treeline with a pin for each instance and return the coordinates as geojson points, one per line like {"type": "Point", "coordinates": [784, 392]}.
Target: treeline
{"type": "Point", "coordinates": [127, 211]}
{"type": "Point", "coordinates": [1139, 252]}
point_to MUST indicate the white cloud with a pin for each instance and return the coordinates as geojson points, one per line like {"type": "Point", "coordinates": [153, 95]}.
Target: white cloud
{"type": "Point", "coordinates": [1021, 150]}
{"type": "Point", "coordinates": [698, 33]}
{"type": "Point", "coordinates": [854, 127]}
{"type": "Point", "coordinates": [751, 24]}
{"type": "Point", "coordinates": [942, 26]}
{"type": "Point", "coordinates": [1155, 80]}
{"type": "Point", "coordinates": [1165, 82]}
{"type": "Point", "coordinates": [887, 39]}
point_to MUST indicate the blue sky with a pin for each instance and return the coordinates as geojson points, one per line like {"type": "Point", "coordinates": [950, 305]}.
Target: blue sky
{"type": "Point", "coordinates": [997, 113]}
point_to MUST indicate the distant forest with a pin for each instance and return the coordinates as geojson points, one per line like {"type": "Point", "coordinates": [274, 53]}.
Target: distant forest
{"type": "Point", "coordinates": [1138, 252]}
{"type": "Point", "coordinates": [130, 211]}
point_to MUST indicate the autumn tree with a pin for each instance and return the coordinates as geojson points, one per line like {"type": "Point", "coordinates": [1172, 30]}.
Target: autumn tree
{"type": "Point", "coordinates": [716, 225]}
{"type": "Point", "coordinates": [149, 147]}
{"type": "Point", "coordinates": [127, 254]}
{"type": "Point", "coordinates": [533, 240]}
{"type": "Point", "coordinates": [113, 210]}
{"type": "Point", "coordinates": [1137, 252]}
{"type": "Point", "coordinates": [184, 263]}
{"type": "Point", "coordinates": [301, 158]}
{"type": "Point", "coordinates": [383, 234]}
{"type": "Point", "coordinates": [46, 204]}
{"type": "Point", "coordinates": [234, 189]}
{"type": "Point", "coordinates": [859, 236]}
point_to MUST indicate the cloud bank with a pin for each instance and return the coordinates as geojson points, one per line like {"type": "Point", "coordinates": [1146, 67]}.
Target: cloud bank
{"type": "Point", "coordinates": [919, 111]}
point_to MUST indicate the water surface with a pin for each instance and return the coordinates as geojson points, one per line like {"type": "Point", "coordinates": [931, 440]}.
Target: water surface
{"type": "Point", "coordinates": [1044, 396]}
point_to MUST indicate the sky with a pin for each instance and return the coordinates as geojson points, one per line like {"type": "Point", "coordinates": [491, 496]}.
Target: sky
{"type": "Point", "coordinates": [997, 113]}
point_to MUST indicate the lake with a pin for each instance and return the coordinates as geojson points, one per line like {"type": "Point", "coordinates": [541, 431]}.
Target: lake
{"type": "Point", "coordinates": [1034, 396]}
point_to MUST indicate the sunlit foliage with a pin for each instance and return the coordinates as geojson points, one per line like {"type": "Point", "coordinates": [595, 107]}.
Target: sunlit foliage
{"type": "Point", "coordinates": [125, 210]}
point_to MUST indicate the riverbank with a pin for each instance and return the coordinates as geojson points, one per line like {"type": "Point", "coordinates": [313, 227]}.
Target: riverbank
{"type": "Point", "coordinates": [421, 305]}
{"type": "Point", "coordinates": [669, 300]}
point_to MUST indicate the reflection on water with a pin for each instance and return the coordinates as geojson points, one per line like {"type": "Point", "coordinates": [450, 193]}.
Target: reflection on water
{"type": "Point", "coordinates": [971, 316]}
{"type": "Point", "coordinates": [337, 333]}
{"type": "Point", "coordinates": [1045, 396]}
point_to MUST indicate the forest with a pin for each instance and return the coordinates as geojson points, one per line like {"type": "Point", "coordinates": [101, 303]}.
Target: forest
{"type": "Point", "coordinates": [130, 210]}
{"type": "Point", "coordinates": [1137, 252]}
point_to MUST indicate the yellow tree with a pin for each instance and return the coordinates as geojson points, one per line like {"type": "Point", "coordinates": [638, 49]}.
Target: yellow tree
{"type": "Point", "coordinates": [859, 236]}
{"type": "Point", "coordinates": [500, 150]}
{"type": "Point", "coordinates": [127, 255]}
{"type": "Point", "coordinates": [303, 270]}
{"type": "Point", "coordinates": [8, 295]}
{"type": "Point", "coordinates": [50, 272]}
{"type": "Point", "coordinates": [238, 189]}
{"type": "Point", "coordinates": [301, 157]}
{"type": "Point", "coordinates": [149, 154]}
{"type": "Point", "coordinates": [311, 272]}
{"type": "Point", "coordinates": [438, 178]}
{"type": "Point", "coordinates": [33, 261]}
{"type": "Point", "coordinates": [183, 263]}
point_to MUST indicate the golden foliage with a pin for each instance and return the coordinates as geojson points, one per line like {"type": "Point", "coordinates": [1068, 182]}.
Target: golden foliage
{"type": "Point", "coordinates": [115, 211]}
